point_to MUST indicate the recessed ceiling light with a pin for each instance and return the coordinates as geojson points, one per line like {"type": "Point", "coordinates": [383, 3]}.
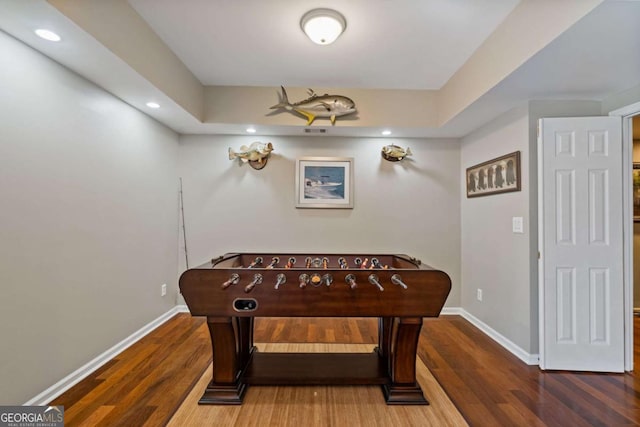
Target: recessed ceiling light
{"type": "Point", "coordinates": [153, 105]}
{"type": "Point", "coordinates": [251, 130]}
{"type": "Point", "coordinates": [386, 132]}
{"type": "Point", "coordinates": [48, 35]}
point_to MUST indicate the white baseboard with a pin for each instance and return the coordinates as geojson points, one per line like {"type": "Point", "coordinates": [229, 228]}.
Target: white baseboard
{"type": "Point", "coordinates": [528, 358]}
{"type": "Point", "coordinates": [79, 374]}
{"type": "Point", "coordinates": [452, 311]}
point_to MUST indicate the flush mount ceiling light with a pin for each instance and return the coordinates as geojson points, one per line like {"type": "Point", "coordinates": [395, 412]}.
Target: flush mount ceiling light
{"type": "Point", "coordinates": [153, 105]}
{"type": "Point", "coordinates": [47, 35]}
{"type": "Point", "coordinates": [323, 26]}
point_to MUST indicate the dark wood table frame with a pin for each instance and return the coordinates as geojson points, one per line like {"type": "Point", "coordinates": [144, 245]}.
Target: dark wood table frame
{"type": "Point", "coordinates": [237, 363]}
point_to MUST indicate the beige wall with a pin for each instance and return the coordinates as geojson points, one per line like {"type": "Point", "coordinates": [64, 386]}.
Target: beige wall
{"type": "Point", "coordinates": [88, 225]}
{"type": "Point", "coordinates": [407, 207]}
{"type": "Point", "coordinates": [494, 259]}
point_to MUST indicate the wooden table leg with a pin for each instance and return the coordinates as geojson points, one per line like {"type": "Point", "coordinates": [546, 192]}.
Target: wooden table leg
{"type": "Point", "coordinates": [229, 341]}
{"type": "Point", "coordinates": [404, 389]}
{"type": "Point", "coordinates": [244, 339]}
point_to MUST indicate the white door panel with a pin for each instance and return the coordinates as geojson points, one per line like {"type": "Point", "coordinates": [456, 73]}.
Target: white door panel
{"type": "Point", "coordinates": [581, 244]}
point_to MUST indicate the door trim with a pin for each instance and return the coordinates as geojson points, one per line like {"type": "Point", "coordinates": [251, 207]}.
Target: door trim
{"type": "Point", "coordinates": [627, 113]}
{"type": "Point", "coordinates": [541, 324]}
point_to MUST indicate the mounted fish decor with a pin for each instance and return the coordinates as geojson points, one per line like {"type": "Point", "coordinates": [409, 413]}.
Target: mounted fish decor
{"type": "Point", "coordinates": [394, 153]}
{"type": "Point", "coordinates": [324, 106]}
{"type": "Point", "coordinates": [256, 154]}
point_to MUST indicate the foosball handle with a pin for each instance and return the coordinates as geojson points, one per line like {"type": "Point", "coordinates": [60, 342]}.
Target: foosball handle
{"type": "Point", "coordinates": [303, 279]}
{"type": "Point", "coordinates": [280, 279]}
{"type": "Point", "coordinates": [257, 279]}
{"type": "Point", "coordinates": [373, 279]}
{"type": "Point", "coordinates": [396, 279]}
{"type": "Point", "coordinates": [351, 281]}
{"type": "Point", "coordinates": [327, 279]}
{"type": "Point", "coordinates": [233, 280]}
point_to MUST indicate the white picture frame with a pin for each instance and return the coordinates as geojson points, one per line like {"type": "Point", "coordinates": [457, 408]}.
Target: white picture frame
{"type": "Point", "coordinates": [324, 182]}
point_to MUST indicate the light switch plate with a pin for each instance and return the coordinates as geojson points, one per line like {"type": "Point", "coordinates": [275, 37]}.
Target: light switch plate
{"type": "Point", "coordinates": [518, 224]}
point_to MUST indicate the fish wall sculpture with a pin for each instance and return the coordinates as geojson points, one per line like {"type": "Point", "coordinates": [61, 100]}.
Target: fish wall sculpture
{"type": "Point", "coordinates": [395, 153]}
{"type": "Point", "coordinates": [255, 154]}
{"type": "Point", "coordinates": [324, 106]}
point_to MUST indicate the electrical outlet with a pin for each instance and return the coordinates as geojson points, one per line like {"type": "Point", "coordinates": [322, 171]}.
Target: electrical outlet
{"type": "Point", "coordinates": [479, 295]}
{"type": "Point", "coordinates": [163, 289]}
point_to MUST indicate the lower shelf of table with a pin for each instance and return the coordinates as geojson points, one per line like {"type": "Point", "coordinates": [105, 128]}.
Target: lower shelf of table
{"type": "Point", "coordinates": [316, 369]}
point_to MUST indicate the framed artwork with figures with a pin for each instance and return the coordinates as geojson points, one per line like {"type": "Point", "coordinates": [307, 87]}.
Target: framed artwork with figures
{"type": "Point", "coordinates": [499, 175]}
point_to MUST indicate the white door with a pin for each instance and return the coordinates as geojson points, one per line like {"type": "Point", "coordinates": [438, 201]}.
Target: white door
{"type": "Point", "coordinates": [581, 247]}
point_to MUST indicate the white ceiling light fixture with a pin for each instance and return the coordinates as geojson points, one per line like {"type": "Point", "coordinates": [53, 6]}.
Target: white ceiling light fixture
{"type": "Point", "coordinates": [386, 132]}
{"type": "Point", "coordinates": [153, 105]}
{"type": "Point", "coordinates": [47, 35]}
{"type": "Point", "coordinates": [251, 130]}
{"type": "Point", "coordinates": [323, 26]}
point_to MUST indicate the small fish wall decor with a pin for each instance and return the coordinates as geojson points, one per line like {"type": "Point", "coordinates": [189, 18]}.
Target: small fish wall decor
{"type": "Point", "coordinates": [324, 106]}
{"type": "Point", "coordinates": [255, 154]}
{"type": "Point", "coordinates": [394, 153]}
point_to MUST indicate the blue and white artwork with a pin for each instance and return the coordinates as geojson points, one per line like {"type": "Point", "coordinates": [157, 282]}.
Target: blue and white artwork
{"type": "Point", "coordinates": [324, 182]}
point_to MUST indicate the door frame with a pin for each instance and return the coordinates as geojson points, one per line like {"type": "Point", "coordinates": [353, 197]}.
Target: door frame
{"type": "Point", "coordinates": [627, 114]}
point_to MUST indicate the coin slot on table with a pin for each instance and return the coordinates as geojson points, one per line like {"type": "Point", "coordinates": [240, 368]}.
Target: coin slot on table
{"type": "Point", "coordinates": [245, 304]}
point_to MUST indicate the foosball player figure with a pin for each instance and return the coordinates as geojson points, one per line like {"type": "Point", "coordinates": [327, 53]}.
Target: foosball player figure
{"type": "Point", "coordinates": [274, 261]}
{"type": "Point", "coordinates": [290, 263]}
{"type": "Point", "coordinates": [257, 261]}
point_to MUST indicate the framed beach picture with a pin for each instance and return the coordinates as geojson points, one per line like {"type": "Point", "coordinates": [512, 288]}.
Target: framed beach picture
{"type": "Point", "coordinates": [499, 175]}
{"type": "Point", "coordinates": [324, 182]}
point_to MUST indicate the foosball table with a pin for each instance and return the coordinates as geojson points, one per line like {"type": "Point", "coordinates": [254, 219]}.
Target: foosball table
{"type": "Point", "coordinates": [233, 289]}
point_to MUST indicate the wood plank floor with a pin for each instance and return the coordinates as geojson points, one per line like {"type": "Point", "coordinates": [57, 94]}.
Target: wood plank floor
{"type": "Point", "coordinates": [146, 383]}
{"type": "Point", "coordinates": [319, 405]}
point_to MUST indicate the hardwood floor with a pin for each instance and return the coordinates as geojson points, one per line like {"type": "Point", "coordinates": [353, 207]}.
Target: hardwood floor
{"type": "Point", "coordinates": [491, 387]}
{"type": "Point", "coordinates": [146, 383]}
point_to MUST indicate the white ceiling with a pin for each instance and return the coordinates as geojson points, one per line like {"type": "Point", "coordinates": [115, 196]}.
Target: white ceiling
{"type": "Point", "coordinates": [401, 44]}
{"type": "Point", "coordinates": [406, 44]}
